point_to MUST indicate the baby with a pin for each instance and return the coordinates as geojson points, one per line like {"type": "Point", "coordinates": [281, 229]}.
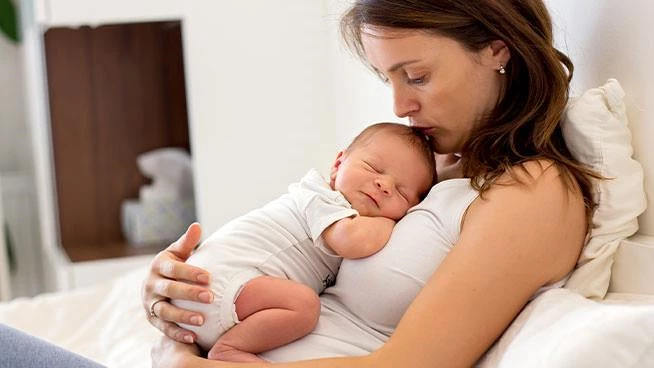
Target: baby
{"type": "Point", "coordinates": [270, 265]}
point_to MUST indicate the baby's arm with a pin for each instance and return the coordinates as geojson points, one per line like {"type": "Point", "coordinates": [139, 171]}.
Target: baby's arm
{"type": "Point", "coordinates": [358, 236]}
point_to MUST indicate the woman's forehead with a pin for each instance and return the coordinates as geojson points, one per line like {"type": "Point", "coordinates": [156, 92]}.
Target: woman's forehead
{"type": "Point", "coordinates": [382, 52]}
{"type": "Point", "coordinates": [385, 50]}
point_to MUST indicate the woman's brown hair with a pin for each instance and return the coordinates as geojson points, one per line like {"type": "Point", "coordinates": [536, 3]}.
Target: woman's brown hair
{"type": "Point", "coordinates": [526, 123]}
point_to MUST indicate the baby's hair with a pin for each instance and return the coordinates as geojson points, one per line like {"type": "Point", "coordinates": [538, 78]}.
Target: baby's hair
{"type": "Point", "coordinates": [413, 137]}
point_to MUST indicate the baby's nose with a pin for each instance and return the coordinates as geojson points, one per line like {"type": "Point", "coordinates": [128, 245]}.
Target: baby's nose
{"type": "Point", "coordinates": [383, 185]}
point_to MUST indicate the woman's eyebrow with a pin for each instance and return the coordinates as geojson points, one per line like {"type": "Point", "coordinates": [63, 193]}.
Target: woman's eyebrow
{"type": "Point", "coordinates": [401, 64]}
{"type": "Point", "coordinates": [395, 66]}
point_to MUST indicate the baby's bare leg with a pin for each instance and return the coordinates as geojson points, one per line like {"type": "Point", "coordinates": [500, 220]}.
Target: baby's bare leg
{"type": "Point", "coordinates": [273, 312]}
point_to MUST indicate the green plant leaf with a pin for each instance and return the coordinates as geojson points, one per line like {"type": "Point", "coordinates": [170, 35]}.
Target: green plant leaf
{"type": "Point", "coordinates": [8, 24]}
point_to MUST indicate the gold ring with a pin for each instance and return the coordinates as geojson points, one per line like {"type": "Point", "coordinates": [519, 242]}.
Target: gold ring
{"type": "Point", "coordinates": [154, 302]}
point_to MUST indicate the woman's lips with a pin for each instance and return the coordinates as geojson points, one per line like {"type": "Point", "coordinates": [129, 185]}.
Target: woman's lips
{"type": "Point", "coordinates": [428, 131]}
{"type": "Point", "coordinates": [429, 134]}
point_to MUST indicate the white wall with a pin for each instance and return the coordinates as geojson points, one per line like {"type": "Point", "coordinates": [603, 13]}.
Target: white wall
{"type": "Point", "coordinates": [612, 39]}
{"type": "Point", "coordinates": [74, 13]}
{"type": "Point", "coordinates": [13, 128]}
{"type": "Point", "coordinates": [12, 131]}
{"type": "Point", "coordinates": [259, 100]}
{"type": "Point", "coordinates": [258, 89]}
{"type": "Point", "coordinates": [270, 99]}
{"type": "Point", "coordinates": [16, 170]}
{"type": "Point", "coordinates": [360, 98]}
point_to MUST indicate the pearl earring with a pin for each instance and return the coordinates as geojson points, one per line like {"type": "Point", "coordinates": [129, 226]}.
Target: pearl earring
{"type": "Point", "coordinates": [501, 70]}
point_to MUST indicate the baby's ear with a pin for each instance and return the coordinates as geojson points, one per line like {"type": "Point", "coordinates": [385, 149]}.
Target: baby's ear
{"type": "Point", "coordinates": [334, 169]}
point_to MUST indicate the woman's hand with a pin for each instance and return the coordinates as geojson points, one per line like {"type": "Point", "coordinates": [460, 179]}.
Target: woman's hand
{"type": "Point", "coordinates": [166, 280]}
{"type": "Point", "coordinates": [170, 353]}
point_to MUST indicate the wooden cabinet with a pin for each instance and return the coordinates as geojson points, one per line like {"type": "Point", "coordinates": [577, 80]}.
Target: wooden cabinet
{"type": "Point", "coordinates": [115, 91]}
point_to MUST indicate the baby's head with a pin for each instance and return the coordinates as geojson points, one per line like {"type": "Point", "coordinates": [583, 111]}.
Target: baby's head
{"type": "Point", "coordinates": [387, 169]}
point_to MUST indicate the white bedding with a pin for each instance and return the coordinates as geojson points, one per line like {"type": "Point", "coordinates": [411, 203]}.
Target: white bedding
{"type": "Point", "coordinates": [562, 329]}
{"type": "Point", "coordinates": [558, 329]}
{"type": "Point", "coordinates": [105, 322]}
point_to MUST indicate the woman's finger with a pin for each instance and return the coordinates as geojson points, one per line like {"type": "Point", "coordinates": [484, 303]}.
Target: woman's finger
{"type": "Point", "coordinates": [165, 288]}
{"type": "Point", "coordinates": [183, 247]}
{"type": "Point", "coordinates": [165, 264]}
{"type": "Point", "coordinates": [170, 313]}
{"type": "Point", "coordinates": [173, 331]}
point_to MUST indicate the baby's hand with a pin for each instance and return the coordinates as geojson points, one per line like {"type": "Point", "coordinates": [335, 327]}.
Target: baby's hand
{"type": "Point", "coordinates": [385, 227]}
{"type": "Point", "coordinates": [359, 236]}
{"type": "Point", "coordinates": [385, 223]}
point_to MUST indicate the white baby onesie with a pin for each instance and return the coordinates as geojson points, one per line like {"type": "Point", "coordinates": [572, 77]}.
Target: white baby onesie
{"type": "Point", "coordinates": [281, 239]}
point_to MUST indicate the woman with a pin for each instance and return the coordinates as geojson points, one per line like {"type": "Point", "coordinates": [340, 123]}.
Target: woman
{"type": "Point", "coordinates": [483, 80]}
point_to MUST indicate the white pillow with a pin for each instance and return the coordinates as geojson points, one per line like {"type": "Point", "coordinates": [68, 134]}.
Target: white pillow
{"type": "Point", "coordinates": [596, 131]}
{"type": "Point", "coordinates": [562, 329]}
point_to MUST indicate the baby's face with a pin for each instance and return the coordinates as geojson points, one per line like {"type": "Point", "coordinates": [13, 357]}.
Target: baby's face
{"type": "Point", "coordinates": [383, 177]}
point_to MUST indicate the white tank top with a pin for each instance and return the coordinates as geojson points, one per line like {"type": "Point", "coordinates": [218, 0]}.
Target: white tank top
{"type": "Point", "coordinates": [379, 289]}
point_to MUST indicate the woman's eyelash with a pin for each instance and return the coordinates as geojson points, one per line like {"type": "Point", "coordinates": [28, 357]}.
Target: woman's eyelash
{"type": "Point", "coordinates": [419, 80]}
{"type": "Point", "coordinates": [414, 81]}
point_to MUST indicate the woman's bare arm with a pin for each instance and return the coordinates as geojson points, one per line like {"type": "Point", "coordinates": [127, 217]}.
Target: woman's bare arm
{"type": "Point", "coordinates": [514, 241]}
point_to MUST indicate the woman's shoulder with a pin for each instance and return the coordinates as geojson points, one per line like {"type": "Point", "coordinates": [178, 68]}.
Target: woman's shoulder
{"type": "Point", "coordinates": [539, 184]}
{"type": "Point", "coordinates": [533, 210]}
{"type": "Point", "coordinates": [533, 172]}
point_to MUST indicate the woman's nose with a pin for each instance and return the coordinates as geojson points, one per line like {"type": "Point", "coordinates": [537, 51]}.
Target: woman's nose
{"type": "Point", "coordinates": [404, 104]}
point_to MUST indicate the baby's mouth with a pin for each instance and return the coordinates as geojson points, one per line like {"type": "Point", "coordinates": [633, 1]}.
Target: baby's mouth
{"type": "Point", "coordinates": [372, 199]}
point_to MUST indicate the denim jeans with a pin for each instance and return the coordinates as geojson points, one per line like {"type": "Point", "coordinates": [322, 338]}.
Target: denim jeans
{"type": "Point", "coordinates": [20, 350]}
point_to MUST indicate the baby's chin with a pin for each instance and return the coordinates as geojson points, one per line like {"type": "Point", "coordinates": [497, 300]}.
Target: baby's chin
{"type": "Point", "coordinates": [377, 213]}
{"type": "Point", "coordinates": [365, 210]}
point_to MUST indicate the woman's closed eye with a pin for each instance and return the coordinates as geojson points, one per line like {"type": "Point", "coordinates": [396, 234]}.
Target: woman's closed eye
{"type": "Point", "coordinates": [417, 80]}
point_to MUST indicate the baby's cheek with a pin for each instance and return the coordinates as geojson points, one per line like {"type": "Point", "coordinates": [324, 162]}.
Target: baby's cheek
{"type": "Point", "coordinates": [398, 212]}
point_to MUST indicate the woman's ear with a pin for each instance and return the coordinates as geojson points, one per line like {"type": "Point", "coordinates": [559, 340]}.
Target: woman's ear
{"type": "Point", "coordinates": [334, 169]}
{"type": "Point", "coordinates": [499, 52]}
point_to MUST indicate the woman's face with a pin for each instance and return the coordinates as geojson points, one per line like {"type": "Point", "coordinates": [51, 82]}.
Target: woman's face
{"type": "Point", "coordinates": [439, 85]}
